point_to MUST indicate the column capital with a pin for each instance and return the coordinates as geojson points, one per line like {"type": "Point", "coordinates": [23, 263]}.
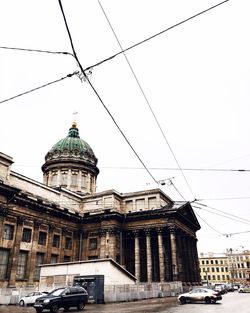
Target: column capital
{"type": "Point", "coordinates": [3, 211]}
{"type": "Point", "coordinates": [37, 224]}
{"type": "Point", "coordinates": [172, 228]}
{"type": "Point", "coordinates": [51, 228]}
{"type": "Point", "coordinates": [112, 230]}
{"type": "Point", "coordinates": [136, 232]}
{"type": "Point", "coordinates": [159, 230]}
{"type": "Point", "coordinates": [147, 231]}
{"type": "Point", "coordinates": [102, 232]}
{"type": "Point", "coordinates": [20, 220]}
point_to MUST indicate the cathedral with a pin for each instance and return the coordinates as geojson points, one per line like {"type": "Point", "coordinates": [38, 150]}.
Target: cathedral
{"type": "Point", "coordinates": [64, 219]}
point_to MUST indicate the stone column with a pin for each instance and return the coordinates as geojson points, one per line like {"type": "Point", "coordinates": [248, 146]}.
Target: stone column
{"type": "Point", "coordinates": [102, 235]}
{"type": "Point", "coordinates": [137, 256]}
{"type": "Point", "coordinates": [112, 243]}
{"type": "Point", "coordinates": [49, 244]}
{"type": "Point", "coordinates": [3, 214]}
{"type": "Point", "coordinates": [76, 245]}
{"type": "Point", "coordinates": [62, 244]}
{"type": "Point", "coordinates": [161, 255]}
{"type": "Point", "coordinates": [172, 230]}
{"type": "Point", "coordinates": [149, 256]}
{"type": "Point", "coordinates": [33, 252]}
{"type": "Point", "coordinates": [15, 251]}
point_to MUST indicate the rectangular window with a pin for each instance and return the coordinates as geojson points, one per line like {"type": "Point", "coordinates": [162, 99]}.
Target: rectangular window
{"type": "Point", "coordinates": [54, 179]}
{"type": "Point", "coordinates": [84, 181]}
{"type": "Point", "coordinates": [66, 258]}
{"type": "Point", "coordinates": [39, 261]}
{"type": "Point", "coordinates": [74, 179]}
{"type": "Point", "coordinates": [222, 269]}
{"type": "Point", "coordinates": [64, 178]}
{"type": "Point", "coordinates": [214, 277]}
{"type": "Point", "coordinates": [140, 204]}
{"type": "Point", "coordinates": [217, 269]}
{"type": "Point", "coordinates": [92, 257]}
{"type": "Point", "coordinates": [68, 243]}
{"type": "Point", "coordinates": [93, 243]}
{"type": "Point", "coordinates": [223, 277]}
{"type": "Point", "coordinates": [8, 232]}
{"type": "Point", "coordinates": [218, 277]}
{"type": "Point", "coordinates": [26, 235]}
{"type": "Point", "coordinates": [42, 238]}
{"type": "Point", "coordinates": [212, 262]}
{"type": "Point", "coordinates": [209, 277]}
{"type": "Point", "coordinates": [129, 205]}
{"type": "Point", "coordinates": [4, 259]}
{"type": "Point", "coordinates": [152, 203]}
{"type": "Point", "coordinates": [207, 262]}
{"type": "Point", "coordinates": [212, 269]}
{"type": "Point", "coordinates": [22, 265]}
{"type": "Point", "coordinates": [202, 262]}
{"type": "Point", "coordinates": [54, 258]}
{"type": "Point", "coordinates": [56, 241]}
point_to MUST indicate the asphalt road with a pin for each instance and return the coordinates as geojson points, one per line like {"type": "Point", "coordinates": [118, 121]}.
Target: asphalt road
{"type": "Point", "coordinates": [231, 303]}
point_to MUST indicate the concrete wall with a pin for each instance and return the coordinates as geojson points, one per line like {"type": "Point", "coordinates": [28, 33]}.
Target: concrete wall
{"type": "Point", "coordinates": [55, 275]}
{"type": "Point", "coordinates": [120, 293]}
{"type": "Point", "coordinates": [112, 293]}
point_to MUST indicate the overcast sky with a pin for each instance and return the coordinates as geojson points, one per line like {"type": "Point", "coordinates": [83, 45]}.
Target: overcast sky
{"type": "Point", "coordinates": [196, 80]}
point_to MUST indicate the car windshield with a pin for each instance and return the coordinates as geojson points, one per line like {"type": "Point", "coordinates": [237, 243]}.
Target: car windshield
{"type": "Point", "coordinates": [57, 292]}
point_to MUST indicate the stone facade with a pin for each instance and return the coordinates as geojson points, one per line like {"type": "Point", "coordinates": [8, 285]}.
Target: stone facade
{"type": "Point", "coordinates": [146, 232]}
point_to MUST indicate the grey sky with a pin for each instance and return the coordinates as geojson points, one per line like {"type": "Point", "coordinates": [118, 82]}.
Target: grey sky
{"type": "Point", "coordinates": [195, 76]}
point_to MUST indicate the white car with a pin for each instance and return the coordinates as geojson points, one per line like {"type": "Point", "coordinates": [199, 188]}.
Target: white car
{"type": "Point", "coordinates": [31, 298]}
{"type": "Point", "coordinates": [200, 295]}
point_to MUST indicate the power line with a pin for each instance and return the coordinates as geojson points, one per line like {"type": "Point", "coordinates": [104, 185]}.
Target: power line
{"type": "Point", "coordinates": [36, 50]}
{"type": "Point", "coordinates": [221, 199]}
{"type": "Point", "coordinates": [228, 217]}
{"type": "Point", "coordinates": [232, 234]}
{"type": "Point", "coordinates": [159, 168]}
{"type": "Point", "coordinates": [207, 206]}
{"type": "Point", "coordinates": [34, 89]}
{"type": "Point", "coordinates": [149, 106]}
{"type": "Point", "coordinates": [155, 35]}
{"type": "Point", "coordinates": [97, 94]}
{"type": "Point", "coordinates": [208, 224]}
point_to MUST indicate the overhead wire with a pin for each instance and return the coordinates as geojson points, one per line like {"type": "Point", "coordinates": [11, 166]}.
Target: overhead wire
{"type": "Point", "coordinates": [155, 35]}
{"type": "Point", "coordinates": [148, 103]}
{"type": "Point", "coordinates": [97, 94]}
{"type": "Point", "coordinates": [221, 211]}
{"type": "Point", "coordinates": [217, 231]}
{"type": "Point", "coordinates": [36, 50]}
{"type": "Point", "coordinates": [39, 87]}
{"type": "Point", "coordinates": [228, 217]}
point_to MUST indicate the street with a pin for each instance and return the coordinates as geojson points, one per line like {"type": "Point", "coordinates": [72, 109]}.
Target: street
{"type": "Point", "coordinates": [231, 303]}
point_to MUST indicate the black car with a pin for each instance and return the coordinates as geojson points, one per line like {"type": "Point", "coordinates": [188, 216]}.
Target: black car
{"type": "Point", "coordinates": [62, 298]}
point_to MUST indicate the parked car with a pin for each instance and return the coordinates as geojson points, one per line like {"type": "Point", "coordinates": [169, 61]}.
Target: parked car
{"type": "Point", "coordinates": [244, 289]}
{"type": "Point", "coordinates": [66, 297]}
{"type": "Point", "coordinates": [200, 295]}
{"type": "Point", "coordinates": [30, 298]}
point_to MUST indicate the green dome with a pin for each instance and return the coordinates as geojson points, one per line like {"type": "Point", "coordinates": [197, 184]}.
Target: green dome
{"type": "Point", "coordinates": [72, 146]}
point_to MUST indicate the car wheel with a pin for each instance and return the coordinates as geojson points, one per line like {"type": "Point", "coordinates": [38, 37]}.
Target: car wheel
{"type": "Point", "coordinates": [207, 300]}
{"type": "Point", "coordinates": [183, 300]}
{"type": "Point", "coordinates": [54, 308]}
{"type": "Point", "coordinates": [81, 306]}
{"type": "Point", "coordinates": [66, 308]}
{"type": "Point", "coordinates": [241, 291]}
{"type": "Point", "coordinates": [21, 302]}
{"type": "Point", "coordinates": [39, 310]}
